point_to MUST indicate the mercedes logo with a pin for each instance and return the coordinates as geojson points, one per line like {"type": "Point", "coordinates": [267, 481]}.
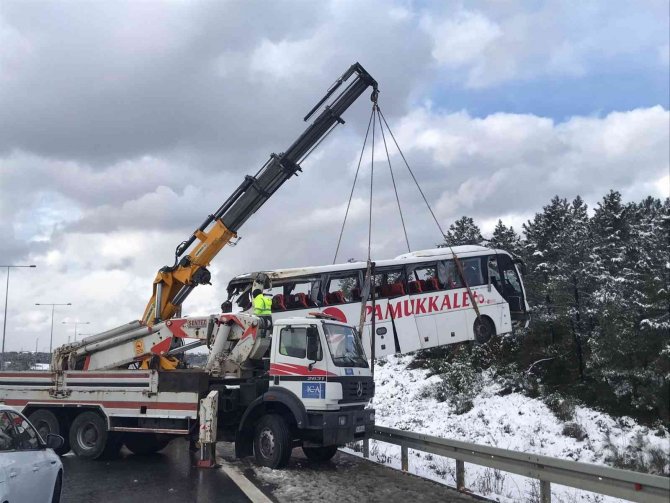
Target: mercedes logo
{"type": "Point", "coordinates": [359, 388]}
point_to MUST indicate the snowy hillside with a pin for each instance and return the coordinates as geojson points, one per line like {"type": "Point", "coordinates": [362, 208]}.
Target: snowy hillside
{"type": "Point", "coordinates": [403, 401]}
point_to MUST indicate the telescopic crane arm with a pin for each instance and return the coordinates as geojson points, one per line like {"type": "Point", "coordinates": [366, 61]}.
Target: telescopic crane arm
{"type": "Point", "coordinates": [174, 283]}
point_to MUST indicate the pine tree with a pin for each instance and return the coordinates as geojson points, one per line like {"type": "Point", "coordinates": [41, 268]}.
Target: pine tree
{"type": "Point", "coordinates": [506, 239]}
{"type": "Point", "coordinates": [463, 231]}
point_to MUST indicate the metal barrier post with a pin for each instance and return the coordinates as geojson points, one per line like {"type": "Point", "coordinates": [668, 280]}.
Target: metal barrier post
{"type": "Point", "coordinates": [366, 447]}
{"type": "Point", "coordinates": [404, 461]}
{"type": "Point", "coordinates": [545, 491]}
{"type": "Point", "coordinates": [460, 475]}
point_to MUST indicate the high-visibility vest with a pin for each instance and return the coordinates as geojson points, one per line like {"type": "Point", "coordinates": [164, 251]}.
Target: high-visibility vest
{"type": "Point", "coordinates": [262, 305]}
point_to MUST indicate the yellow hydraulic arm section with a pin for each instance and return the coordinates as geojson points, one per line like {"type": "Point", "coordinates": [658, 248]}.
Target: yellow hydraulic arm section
{"type": "Point", "coordinates": [173, 283]}
{"type": "Point", "coordinates": [171, 280]}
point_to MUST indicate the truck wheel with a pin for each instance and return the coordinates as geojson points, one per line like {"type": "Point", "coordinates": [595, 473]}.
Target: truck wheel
{"type": "Point", "coordinates": [113, 445]}
{"type": "Point", "coordinates": [320, 454]}
{"type": "Point", "coordinates": [272, 442]}
{"type": "Point", "coordinates": [142, 444]}
{"type": "Point", "coordinates": [483, 329]}
{"type": "Point", "coordinates": [46, 422]}
{"type": "Point", "coordinates": [88, 435]}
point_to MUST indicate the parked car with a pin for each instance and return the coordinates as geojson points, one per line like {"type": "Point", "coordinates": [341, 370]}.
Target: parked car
{"type": "Point", "coordinates": [30, 471]}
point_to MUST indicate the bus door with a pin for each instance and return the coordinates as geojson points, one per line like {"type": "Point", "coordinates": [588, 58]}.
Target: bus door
{"type": "Point", "coordinates": [423, 288]}
{"type": "Point", "coordinates": [453, 319]}
{"type": "Point", "coordinates": [512, 291]}
{"type": "Point", "coordinates": [395, 325]}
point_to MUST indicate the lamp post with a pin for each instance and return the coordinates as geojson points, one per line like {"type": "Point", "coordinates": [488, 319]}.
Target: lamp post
{"type": "Point", "coordinates": [4, 323]}
{"type": "Point", "coordinates": [76, 323]}
{"type": "Point", "coordinates": [53, 308]}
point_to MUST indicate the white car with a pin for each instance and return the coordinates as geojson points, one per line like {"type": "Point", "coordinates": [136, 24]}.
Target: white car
{"type": "Point", "coordinates": [30, 471]}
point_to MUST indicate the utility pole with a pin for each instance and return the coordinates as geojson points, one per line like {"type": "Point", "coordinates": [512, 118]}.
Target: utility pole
{"type": "Point", "coordinates": [4, 323]}
{"type": "Point", "coordinates": [53, 308]}
{"type": "Point", "coordinates": [76, 324]}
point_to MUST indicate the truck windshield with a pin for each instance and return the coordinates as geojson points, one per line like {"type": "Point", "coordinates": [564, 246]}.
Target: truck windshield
{"type": "Point", "coordinates": [345, 346]}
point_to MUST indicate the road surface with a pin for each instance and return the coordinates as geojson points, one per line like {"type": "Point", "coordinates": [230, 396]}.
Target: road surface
{"type": "Point", "coordinates": [165, 477]}
{"type": "Point", "coordinates": [344, 478]}
{"type": "Point", "coordinates": [170, 477]}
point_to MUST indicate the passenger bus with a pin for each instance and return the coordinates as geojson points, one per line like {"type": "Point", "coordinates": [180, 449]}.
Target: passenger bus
{"type": "Point", "coordinates": [420, 299]}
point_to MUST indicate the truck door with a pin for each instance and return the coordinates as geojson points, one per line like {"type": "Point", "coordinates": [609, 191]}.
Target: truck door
{"type": "Point", "coordinates": [290, 367]}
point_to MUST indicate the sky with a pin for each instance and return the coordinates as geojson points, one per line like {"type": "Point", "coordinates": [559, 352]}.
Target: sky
{"type": "Point", "coordinates": [124, 124]}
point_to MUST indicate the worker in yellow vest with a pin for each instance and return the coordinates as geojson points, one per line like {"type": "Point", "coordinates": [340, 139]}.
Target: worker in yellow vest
{"type": "Point", "coordinates": [263, 307]}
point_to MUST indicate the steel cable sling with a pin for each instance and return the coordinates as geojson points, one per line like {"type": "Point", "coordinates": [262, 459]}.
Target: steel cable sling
{"type": "Point", "coordinates": [459, 265]}
{"type": "Point", "coordinates": [377, 115]}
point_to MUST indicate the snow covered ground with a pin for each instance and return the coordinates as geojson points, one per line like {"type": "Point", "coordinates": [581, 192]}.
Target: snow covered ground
{"type": "Point", "coordinates": [513, 421]}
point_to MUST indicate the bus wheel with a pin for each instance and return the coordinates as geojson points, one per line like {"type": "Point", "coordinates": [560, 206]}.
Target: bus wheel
{"type": "Point", "coordinates": [272, 442]}
{"type": "Point", "coordinates": [320, 454]}
{"type": "Point", "coordinates": [46, 422]}
{"type": "Point", "coordinates": [88, 435]}
{"type": "Point", "coordinates": [483, 329]}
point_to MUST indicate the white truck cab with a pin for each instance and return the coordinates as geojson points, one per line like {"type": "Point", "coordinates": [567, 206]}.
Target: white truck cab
{"type": "Point", "coordinates": [320, 380]}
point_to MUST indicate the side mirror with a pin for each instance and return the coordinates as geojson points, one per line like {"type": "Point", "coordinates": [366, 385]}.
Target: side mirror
{"type": "Point", "coordinates": [54, 441]}
{"type": "Point", "coordinates": [313, 346]}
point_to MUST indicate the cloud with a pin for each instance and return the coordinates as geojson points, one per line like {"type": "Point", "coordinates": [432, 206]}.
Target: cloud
{"type": "Point", "coordinates": [488, 43]}
{"type": "Point", "coordinates": [123, 125]}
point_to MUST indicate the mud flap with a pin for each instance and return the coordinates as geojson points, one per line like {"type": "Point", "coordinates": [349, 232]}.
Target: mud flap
{"type": "Point", "coordinates": [244, 444]}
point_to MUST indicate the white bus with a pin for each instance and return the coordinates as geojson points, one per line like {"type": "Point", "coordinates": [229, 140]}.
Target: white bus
{"type": "Point", "coordinates": [421, 301]}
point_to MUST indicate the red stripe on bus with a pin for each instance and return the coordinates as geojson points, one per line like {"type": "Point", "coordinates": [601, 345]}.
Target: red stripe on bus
{"type": "Point", "coordinates": [111, 405]}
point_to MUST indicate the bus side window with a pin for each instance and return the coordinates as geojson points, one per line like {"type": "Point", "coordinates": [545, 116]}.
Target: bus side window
{"type": "Point", "coordinates": [472, 270]}
{"type": "Point", "coordinates": [494, 273]}
{"type": "Point", "coordinates": [343, 289]}
{"type": "Point", "coordinates": [299, 295]}
{"type": "Point", "coordinates": [423, 278]}
{"type": "Point", "coordinates": [390, 283]}
{"type": "Point", "coordinates": [448, 275]}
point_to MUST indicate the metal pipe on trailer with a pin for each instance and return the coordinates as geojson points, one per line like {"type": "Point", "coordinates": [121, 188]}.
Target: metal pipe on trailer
{"type": "Point", "coordinates": [111, 333]}
{"type": "Point", "coordinates": [122, 337]}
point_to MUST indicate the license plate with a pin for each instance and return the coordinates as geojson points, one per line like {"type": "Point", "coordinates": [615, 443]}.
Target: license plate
{"type": "Point", "coordinates": [360, 429]}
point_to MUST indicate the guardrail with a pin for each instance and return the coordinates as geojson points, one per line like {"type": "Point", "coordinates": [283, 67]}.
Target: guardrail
{"type": "Point", "coordinates": [625, 484]}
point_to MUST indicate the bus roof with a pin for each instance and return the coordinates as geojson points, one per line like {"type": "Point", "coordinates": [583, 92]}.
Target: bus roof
{"type": "Point", "coordinates": [418, 256]}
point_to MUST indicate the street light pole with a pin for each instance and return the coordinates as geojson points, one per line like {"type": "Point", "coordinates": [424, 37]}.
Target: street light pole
{"type": "Point", "coordinates": [4, 322]}
{"type": "Point", "coordinates": [53, 308]}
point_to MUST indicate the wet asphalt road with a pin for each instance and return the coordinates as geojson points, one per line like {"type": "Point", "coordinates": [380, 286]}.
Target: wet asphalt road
{"type": "Point", "coordinates": [166, 477]}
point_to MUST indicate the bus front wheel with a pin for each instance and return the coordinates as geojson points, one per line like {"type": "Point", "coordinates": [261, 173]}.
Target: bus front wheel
{"type": "Point", "coordinates": [483, 329]}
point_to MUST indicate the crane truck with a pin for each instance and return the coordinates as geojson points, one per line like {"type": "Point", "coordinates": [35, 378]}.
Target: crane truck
{"type": "Point", "coordinates": [268, 387]}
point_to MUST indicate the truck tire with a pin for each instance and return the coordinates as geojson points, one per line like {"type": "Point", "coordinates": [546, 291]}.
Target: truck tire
{"type": "Point", "coordinates": [320, 454]}
{"type": "Point", "coordinates": [113, 445]}
{"type": "Point", "coordinates": [88, 435]}
{"type": "Point", "coordinates": [483, 329]}
{"type": "Point", "coordinates": [46, 422]}
{"type": "Point", "coordinates": [272, 442]}
{"type": "Point", "coordinates": [142, 444]}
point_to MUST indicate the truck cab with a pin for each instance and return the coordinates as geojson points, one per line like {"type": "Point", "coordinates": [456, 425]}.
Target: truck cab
{"type": "Point", "coordinates": [319, 385]}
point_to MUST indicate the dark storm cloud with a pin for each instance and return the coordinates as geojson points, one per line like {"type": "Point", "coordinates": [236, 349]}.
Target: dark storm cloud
{"type": "Point", "coordinates": [98, 82]}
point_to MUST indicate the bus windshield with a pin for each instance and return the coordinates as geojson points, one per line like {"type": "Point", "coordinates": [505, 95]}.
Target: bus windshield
{"type": "Point", "coordinates": [344, 345]}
